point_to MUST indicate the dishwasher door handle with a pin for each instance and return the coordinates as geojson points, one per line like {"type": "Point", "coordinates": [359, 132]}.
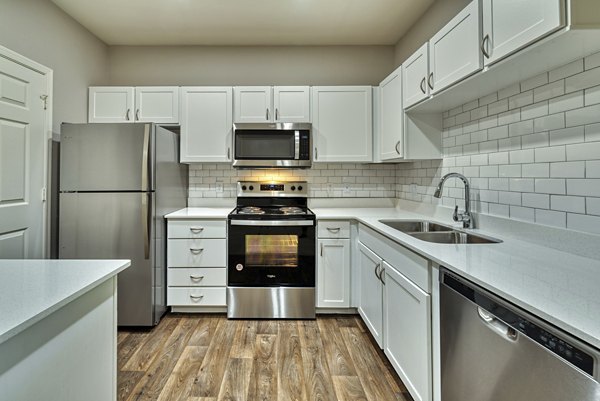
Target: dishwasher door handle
{"type": "Point", "coordinates": [497, 325]}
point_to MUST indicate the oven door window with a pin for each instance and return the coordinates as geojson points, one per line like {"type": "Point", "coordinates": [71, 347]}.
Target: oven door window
{"type": "Point", "coordinates": [272, 251]}
{"type": "Point", "coordinates": [258, 145]}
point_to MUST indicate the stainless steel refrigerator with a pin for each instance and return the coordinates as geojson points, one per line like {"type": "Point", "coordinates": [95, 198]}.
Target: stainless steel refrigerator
{"type": "Point", "coordinates": [117, 181]}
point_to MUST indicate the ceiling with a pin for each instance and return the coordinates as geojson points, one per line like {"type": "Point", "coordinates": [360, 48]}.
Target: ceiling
{"type": "Point", "coordinates": [246, 22]}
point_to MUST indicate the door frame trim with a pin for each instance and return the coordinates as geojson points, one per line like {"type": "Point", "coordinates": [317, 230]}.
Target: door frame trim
{"type": "Point", "coordinates": [48, 74]}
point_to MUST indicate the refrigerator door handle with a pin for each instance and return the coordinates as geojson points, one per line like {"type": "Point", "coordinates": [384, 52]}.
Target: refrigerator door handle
{"type": "Point", "coordinates": [145, 158]}
{"type": "Point", "coordinates": [145, 225]}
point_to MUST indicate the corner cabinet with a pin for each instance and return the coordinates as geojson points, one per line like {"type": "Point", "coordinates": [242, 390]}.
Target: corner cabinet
{"type": "Point", "coordinates": [333, 264]}
{"type": "Point", "coordinates": [121, 104]}
{"type": "Point", "coordinates": [206, 124]}
{"type": "Point", "coordinates": [279, 104]}
{"type": "Point", "coordinates": [511, 25]}
{"type": "Point", "coordinates": [454, 51]}
{"type": "Point", "coordinates": [342, 124]}
{"type": "Point", "coordinates": [391, 117]}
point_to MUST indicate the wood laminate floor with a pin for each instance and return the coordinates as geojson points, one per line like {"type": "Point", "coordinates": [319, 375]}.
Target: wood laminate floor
{"type": "Point", "coordinates": [210, 358]}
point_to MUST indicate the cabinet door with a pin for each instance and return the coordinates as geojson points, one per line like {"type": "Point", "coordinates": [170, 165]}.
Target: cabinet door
{"type": "Point", "coordinates": [511, 25]}
{"type": "Point", "coordinates": [333, 273]}
{"type": "Point", "coordinates": [414, 77]}
{"type": "Point", "coordinates": [454, 51]}
{"type": "Point", "coordinates": [206, 124]}
{"type": "Point", "coordinates": [407, 336]}
{"type": "Point", "coordinates": [157, 104]}
{"type": "Point", "coordinates": [292, 104]}
{"type": "Point", "coordinates": [342, 124]}
{"type": "Point", "coordinates": [111, 104]}
{"type": "Point", "coordinates": [391, 116]}
{"type": "Point", "coordinates": [371, 292]}
{"type": "Point", "coordinates": [253, 104]}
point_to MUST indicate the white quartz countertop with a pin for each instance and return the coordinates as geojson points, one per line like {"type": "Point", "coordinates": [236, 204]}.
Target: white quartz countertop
{"type": "Point", "coordinates": [200, 213]}
{"type": "Point", "coordinates": [560, 287]}
{"type": "Point", "coordinates": [32, 289]}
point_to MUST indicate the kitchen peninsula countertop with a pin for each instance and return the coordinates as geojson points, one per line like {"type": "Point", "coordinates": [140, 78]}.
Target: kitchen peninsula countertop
{"type": "Point", "coordinates": [30, 290]}
{"type": "Point", "coordinates": [560, 287]}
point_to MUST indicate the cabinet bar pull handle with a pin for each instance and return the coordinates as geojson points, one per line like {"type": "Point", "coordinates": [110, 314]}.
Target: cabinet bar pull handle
{"type": "Point", "coordinates": [377, 266]}
{"type": "Point", "coordinates": [196, 230]}
{"type": "Point", "coordinates": [267, 115]}
{"type": "Point", "coordinates": [423, 89]}
{"type": "Point", "coordinates": [137, 115]}
{"type": "Point", "coordinates": [381, 276]}
{"type": "Point", "coordinates": [316, 154]}
{"type": "Point", "coordinates": [430, 81]}
{"type": "Point", "coordinates": [196, 251]}
{"type": "Point", "coordinates": [321, 249]}
{"type": "Point", "coordinates": [196, 277]}
{"type": "Point", "coordinates": [228, 153]}
{"type": "Point", "coordinates": [127, 114]}
{"type": "Point", "coordinates": [397, 144]}
{"type": "Point", "coordinates": [486, 38]}
{"type": "Point", "coordinates": [277, 114]}
{"type": "Point", "coordinates": [334, 229]}
{"type": "Point", "coordinates": [196, 296]}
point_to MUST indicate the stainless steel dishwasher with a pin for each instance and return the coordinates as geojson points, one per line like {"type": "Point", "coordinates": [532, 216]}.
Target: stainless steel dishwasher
{"type": "Point", "coordinates": [492, 350]}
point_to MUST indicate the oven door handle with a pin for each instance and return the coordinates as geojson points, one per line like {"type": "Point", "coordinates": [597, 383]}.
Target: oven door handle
{"type": "Point", "coordinates": [270, 223]}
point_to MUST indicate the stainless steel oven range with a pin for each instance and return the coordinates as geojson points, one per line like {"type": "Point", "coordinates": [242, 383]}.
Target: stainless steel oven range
{"type": "Point", "coordinates": [271, 249]}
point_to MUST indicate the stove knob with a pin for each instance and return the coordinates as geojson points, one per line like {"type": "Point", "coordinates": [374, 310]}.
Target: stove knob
{"type": "Point", "coordinates": [293, 188]}
{"type": "Point", "coordinates": [251, 188]}
{"type": "Point", "coordinates": [299, 187]}
{"type": "Point", "coordinates": [243, 187]}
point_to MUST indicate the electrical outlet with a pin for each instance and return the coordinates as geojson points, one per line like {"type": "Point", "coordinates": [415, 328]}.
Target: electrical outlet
{"type": "Point", "coordinates": [346, 189]}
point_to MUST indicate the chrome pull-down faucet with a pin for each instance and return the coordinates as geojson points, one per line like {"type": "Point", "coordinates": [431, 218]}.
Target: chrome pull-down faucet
{"type": "Point", "coordinates": [464, 217]}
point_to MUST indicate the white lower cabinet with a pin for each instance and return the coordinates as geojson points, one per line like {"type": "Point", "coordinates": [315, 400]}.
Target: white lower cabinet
{"type": "Point", "coordinates": [196, 264]}
{"type": "Point", "coordinates": [407, 332]}
{"type": "Point", "coordinates": [333, 273]}
{"type": "Point", "coordinates": [371, 292]}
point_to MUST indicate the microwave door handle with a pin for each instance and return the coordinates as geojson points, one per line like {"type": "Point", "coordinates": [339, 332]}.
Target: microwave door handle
{"type": "Point", "coordinates": [297, 145]}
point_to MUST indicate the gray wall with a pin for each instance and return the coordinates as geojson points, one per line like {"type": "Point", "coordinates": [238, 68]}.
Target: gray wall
{"type": "Point", "coordinates": [42, 32]}
{"type": "Point", "coordinates": [432, 21]}
{"type": "Point", "coordinates": [254, 65]}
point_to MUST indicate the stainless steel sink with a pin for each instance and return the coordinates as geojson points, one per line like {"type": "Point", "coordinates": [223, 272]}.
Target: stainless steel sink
{"type": "Point", "coordinates": [454, 237]}
{"type": "Point", "coordinates": [415, 226]}
{"type": "Point", "coordinates": [438, 233]}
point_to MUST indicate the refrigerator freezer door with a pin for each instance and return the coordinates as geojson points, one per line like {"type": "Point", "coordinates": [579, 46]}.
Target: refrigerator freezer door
{"type": "Point", "coordinates": [116, 226]}
{"type": "Point", "coordinates": [106, 157]}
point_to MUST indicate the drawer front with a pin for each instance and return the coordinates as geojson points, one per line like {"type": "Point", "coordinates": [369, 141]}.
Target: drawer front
{"type": "Point", "coordinates": [333, 229]}
{"type": "Point", "coordinates": [197, 253]}
{"type": "Point", "coordinates": [198, 296]}
{"type": "Point", "coordinates": [197, 229]}
{"type": "Point", "coordinates": [197, 277]}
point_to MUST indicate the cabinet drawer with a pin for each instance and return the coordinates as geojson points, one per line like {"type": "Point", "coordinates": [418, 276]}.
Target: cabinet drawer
{"type": "Point", "coordinates": [197, 229]}
{"type": "Point", "coordinates": [196, 253]}
{"type": "Point", "coordinates": [197, 277]}
{"type": "Point", "coordinates": [199, 296]}
{"type": "Point", "coordinates": [333, 229]}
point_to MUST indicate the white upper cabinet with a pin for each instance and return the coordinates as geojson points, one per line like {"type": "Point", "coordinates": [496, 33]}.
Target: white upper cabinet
{"type": "Point", "coordinates": [511, 25]}
{"type": "Point", "coordinates": [415, 71]}
{"type": "Point", "coordinates": [260, 104]}
{"type": "Point", "coordinates": [112, 104]}
{"type": "Point", "coordinates": [253, 104]}
{"type": "Point", "coordinates": [126, 104]}
{"type": "Point", "coordinates": [292, 104]}
{"type": "Point", "coordinates": [157, 104]}
{"type": "Point", "coordinates": [391, 117]}
{"type": "Point", "coordinates": [454, 51]}
{"type": "Point", "coordinates": [206, 124]}
{"type": "Point", "coordinates": [342, 124]}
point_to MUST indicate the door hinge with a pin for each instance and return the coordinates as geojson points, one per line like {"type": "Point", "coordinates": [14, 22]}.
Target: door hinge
{"type": "Point", "coordinates": [44, 196]}
{"type": "Point", "coordinates": [45, 100]}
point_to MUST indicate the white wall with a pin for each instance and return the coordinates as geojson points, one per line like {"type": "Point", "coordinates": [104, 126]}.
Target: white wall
{"type": "Point", "coordinates": [250, 65]}
{"type": "Point", "coordinates": [41, 31]}
{"type": "Point", "coordinates": [432, 21]}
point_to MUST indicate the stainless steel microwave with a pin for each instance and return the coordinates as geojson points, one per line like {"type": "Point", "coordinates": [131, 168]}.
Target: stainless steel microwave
{"type": "Point", "coordinates": [274, 145]}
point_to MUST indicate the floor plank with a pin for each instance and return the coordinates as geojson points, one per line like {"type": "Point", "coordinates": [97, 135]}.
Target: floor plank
{"type": "Point", "coordinates": [209, 358]}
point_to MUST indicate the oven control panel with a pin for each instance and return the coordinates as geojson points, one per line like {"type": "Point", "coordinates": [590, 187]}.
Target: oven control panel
{"type": "Point", "coordinates": [272, 189]}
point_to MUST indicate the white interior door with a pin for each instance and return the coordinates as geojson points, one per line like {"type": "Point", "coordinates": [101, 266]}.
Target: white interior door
{"type": "Point", "coordinates": [22, 161]}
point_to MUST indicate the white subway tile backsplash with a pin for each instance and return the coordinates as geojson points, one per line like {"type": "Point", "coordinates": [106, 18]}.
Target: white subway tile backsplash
{"type": "Point", "coordinates": [522, 156]}
{"type": "Point", "coordinates": [551, 122]}
{"type": "Point", "coordinates": [567, 170]}
{"type": "Point", "coordinates": [535, 110]}
{"type": "Point", "coordinates": [509, 117]}
{"type": "Point", "coordinates": [592, 169]}
{"type": "Point", "coordinates": [479, 160]}
{"type": "Point", "coordinates": [575, 204]}
{"type": "Point", "coordinates": [592, 206]}
{"type": "Point", "coordinates": [592, 133]}
{"type": "Point", "coordinates": [488, 147]}
{"type": "Point", "coordinates": [583, 151]}
{"type": "Point", "coordinates": [549, 91]}
{"type": "Point", "coordinates": [551, 218]}
{"type": "Point", "coordinates": [583, 222]}
{"type": "Point", "coordinates": [496, 209]}
{"type": "Point", "coordinates": [566, 70]}
{"type": "Point", "coordinates": [510, 170]}
{"type": "Point", "coordinates": [586, 79]}
{"type": "Point", "coordinates": [520, 128]}
{"type": "Point", "coordinates": [550, 154]}
{"type": "Point", "coordinates": [498, 158]}
{"type": "Point", "coordinates": [537, 170]}
{"type": "Point", "coordinates": [520, 100]}
{"type": "Point", "coordinates": [488, 171]}
{"type": "Point", "coordinates": [509, 198]}
{"type": "Point", "coordinates": [592, 61]}
{"type": "Point", "coordinates": [498, 132]}
{"type": "Point", "coordinates": [583, 187]}
{"type": "Point", "coordinates": [522, 213]}
{"type": "Point", "coordinates": [535, 140]}
{"type": "Point", "coordinates": [488, 99]}
{"type": "Point", "coordinates": [498, 184]}
{"type": "Point", "coordinates": [534, 82]}
{"type": "Point", "coordinates": [550, 186]}
{"type": "Point", "coordinates": [498, 107]}
{"type": "Point", "coordinates": [567, 136]}
{"type": "Point", "coordinates": [479, 136]}
{"type": "Point", "coordinates": [569, 101]}
{"type": "Point", "coordinates": [537, 201]}
{"type": "Point", "coordinates": [509, 144]}
{"type": "Point", "coordinates": [592, 96]}
{"type": "Point", "coordinates": [510, 91]}
{"type": "Point", "coordinates": [583, 116]}
{"type": "Point", "coordinates": [521, 184]}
